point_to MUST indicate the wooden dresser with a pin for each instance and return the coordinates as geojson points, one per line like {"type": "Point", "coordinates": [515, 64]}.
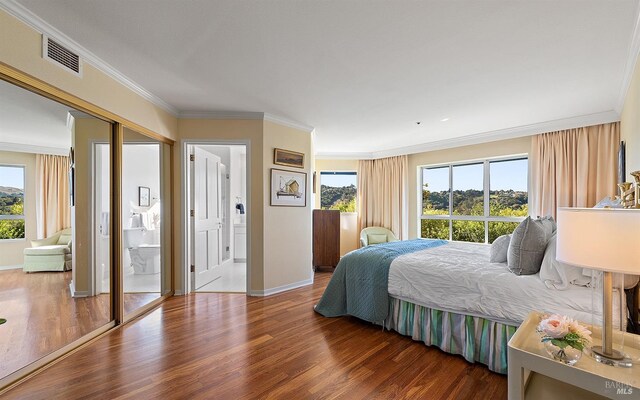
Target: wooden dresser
{"type": "Point", "coordinates": [326, 238]}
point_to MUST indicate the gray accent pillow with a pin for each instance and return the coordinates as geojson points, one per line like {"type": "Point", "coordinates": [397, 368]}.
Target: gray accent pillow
{"type": "Point", "coordinates": [528, 243]}
{"type": "Point", "coordinates": [499, 248]}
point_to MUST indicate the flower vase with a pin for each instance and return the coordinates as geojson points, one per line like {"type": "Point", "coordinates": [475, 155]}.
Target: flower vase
{"type": "Point", "coordinates": [568, 355]}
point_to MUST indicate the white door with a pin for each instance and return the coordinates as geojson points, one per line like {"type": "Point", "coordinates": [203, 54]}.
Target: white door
{"type": "Point", "coordinates": [207, 219]}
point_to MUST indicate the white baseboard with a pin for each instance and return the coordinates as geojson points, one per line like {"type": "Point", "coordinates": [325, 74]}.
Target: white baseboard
{"type": "Point", "coordinates": [279, 289]}
{"type": "Point", "coordinates": [75, 293]}
{"type": "Point", "coordinates": [8, 267]}
{"type": "Point", "coordinates": [178, 293]}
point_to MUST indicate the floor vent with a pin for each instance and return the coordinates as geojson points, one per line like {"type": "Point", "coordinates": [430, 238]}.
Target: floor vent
{"type": "Point", "coordinates": [60, 55]}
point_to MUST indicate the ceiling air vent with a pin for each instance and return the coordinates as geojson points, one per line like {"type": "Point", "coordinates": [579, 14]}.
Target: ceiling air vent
{"type": "Point", "coordinates": [60, 55]}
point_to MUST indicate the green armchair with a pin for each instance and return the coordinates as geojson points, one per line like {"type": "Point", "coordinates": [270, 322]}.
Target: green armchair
{"type": "Point", "coordinates": [376, 235]}
{"type": "Point", "coordinates": [50, 254]}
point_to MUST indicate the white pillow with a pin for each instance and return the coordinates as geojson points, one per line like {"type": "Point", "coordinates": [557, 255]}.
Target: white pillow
{"type": "Point", "coordinates": [558, 275]}
{"type": "Point", "coordinates": [499, 249]}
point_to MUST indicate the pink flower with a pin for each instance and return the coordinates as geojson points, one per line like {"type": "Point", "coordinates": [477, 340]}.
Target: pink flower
{"type": "Point", "coordinates": [555, 326]}
{"type": "Point", "coordinates": [575, 327]}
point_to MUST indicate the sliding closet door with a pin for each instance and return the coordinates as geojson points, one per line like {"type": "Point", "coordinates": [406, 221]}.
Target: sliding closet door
{"type": "Point", "coordinates": [55, 218]}
{"type": "Point", "coordinates": [145, 206]}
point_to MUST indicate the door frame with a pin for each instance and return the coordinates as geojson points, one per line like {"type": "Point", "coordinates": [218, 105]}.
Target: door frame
{"type": "Point", "coordinates": [185, 222]}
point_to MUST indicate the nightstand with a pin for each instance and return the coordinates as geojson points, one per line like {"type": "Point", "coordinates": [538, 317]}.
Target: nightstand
{"type": "Point", "coordinates": [534, 375]}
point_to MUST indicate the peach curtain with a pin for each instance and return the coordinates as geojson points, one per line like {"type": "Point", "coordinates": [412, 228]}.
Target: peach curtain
{"type": "Point", "coordinates": [53, 208]}
{"type": "Point", "coordinates": [573, 168]}
{"type": "Point", "coordinates": [382, 200]}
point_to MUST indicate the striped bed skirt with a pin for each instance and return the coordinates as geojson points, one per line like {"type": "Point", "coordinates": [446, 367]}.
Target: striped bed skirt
{"type": "Point", "coordinates": [474, 338]}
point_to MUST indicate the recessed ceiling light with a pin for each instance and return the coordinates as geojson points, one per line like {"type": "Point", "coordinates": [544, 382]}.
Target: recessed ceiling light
{"type": "Point", "coordinates": [444, 119]}
{"type": "Point", "coordinates": [418, 123]}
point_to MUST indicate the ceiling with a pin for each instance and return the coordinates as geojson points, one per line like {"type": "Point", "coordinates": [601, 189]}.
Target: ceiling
{"type": "Point", "coordinates": [31, 122]}
{"type": "Point", "coordinates": [364, 72]}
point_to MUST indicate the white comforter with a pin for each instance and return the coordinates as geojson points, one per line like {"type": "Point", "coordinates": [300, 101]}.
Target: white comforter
{"type": "Point", "coordinates": [458, 277]}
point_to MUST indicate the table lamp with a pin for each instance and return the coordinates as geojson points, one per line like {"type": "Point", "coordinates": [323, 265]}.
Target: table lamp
{"type": "Point", "coordinates": [606, 240]}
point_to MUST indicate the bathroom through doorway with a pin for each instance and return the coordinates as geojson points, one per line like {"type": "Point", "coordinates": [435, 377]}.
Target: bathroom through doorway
{"type": "Point", "coordinates": [217, 223]}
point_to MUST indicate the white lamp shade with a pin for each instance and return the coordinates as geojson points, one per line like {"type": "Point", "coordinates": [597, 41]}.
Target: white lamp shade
{"type": "Point", "coordinates": [600, 238]}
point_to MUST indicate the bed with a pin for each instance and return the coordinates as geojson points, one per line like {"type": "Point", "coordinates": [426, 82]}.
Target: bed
{"type": "Point", "coordinates": [449, 295]}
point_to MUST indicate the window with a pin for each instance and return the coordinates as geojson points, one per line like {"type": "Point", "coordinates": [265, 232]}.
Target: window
{"type": "Point", "coordinates": [338, 191]}
{"type": "Point", "coordinates": [11, 202]}
{"type": "Point", "coordinates": [474, 202]}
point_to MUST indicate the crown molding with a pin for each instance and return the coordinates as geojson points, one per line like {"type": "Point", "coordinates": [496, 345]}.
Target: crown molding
{"type": "Point", "coordinates": [30, 148]}
{"type": "Point", "coordinates": [344, 156]}
{"type": "Point", "coordinates": [289, 122]}
{"type": "Point", "coordinates": [630, 65]}
{"type": "Point", "coordinates": [483, 137]}
{"type": "Point", "coordinates": [221, 115]}
{"type": "Point", "coordinates": [25, 15]}
{"type": "Point", "coordinates": [247, 115]}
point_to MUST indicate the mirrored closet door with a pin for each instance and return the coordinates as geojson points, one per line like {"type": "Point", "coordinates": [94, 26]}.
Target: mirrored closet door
{"type": "Point", "coordinates": [55, 219]}
{"type": "Point", "coordinates": [145, 203]}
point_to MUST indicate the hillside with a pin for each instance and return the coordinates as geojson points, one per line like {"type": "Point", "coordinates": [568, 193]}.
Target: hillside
{"type": "Point", "coordinates": [8, 191]}
{"type": "Point", "coordinates": [338, 198]}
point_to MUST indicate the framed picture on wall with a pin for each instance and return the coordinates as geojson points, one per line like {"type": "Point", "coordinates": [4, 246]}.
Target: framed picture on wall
{"type": "Point", "coordinates": [144, 196]}
{"type": "Point", "coordinates": [288, 188]}
{"type": "Point", "coordinates": [288, 158]}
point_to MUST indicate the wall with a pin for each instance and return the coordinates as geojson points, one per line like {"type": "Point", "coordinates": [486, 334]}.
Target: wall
{"type": "Point", "coordinates": [233, 131]}
{"type": "Point", "coordinates": [12, 250]}
{"type": "Point", "coordinates": [87, 131]}
{"type": "Point", "coordinates": [475, 152]}
{"type": "Point", "coordinates": [630, 123]}
{"type": "Point", "coordinates": [349, 235]}
{"type": "Point", "coordinates": [21, 48]}
{"type": "Point", "coordinates": [287, 230]}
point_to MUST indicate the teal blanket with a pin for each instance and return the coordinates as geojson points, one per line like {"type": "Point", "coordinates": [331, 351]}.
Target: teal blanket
{"type": "Point", "coordinates": [359, 285]}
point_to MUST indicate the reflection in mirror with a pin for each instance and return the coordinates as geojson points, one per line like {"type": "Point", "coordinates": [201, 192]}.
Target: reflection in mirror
{"type": "Point", "coordinates": [54, 218]}
{"type": "Point", "coordinates": [143, 260]}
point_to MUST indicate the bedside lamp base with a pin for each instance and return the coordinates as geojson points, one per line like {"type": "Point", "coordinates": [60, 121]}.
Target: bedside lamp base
{"type": "Point", "coordinates": [615, 358]}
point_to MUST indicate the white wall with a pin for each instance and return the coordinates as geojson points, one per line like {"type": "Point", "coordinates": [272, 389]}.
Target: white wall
{"type": "Point", "coordinates": [140, 167]}
{"type": "Point", "coordinates": [630, 124]}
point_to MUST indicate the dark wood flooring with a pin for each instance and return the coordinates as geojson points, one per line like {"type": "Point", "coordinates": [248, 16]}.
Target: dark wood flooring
{"type": "Point", "coordinates": [229, 346]}
{"type": "Point", "coordinates": [43, 317]}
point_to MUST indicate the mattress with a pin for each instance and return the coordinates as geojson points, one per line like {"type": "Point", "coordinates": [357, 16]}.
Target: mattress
{"type": "Point", "coordinates": [458, 277]}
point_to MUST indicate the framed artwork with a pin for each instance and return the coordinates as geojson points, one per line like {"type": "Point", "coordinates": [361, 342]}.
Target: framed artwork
{"type": "Point", "coordinates": [288, 188]}
{"type": "Point", "coordinates": [144, 196]}
{"type": "Point", "coordinates": [288, 158]}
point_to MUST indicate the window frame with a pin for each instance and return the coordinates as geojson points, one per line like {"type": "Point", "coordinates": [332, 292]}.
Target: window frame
{"type": "Point", "coordinates": [337, 172]}
{"type": "Point", "coordinates": [486, 218]}
{"type": "Point", "coordinates": [5, 217]}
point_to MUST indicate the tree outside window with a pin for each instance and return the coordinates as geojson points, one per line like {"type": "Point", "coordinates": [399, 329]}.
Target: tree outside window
{"type": "Point", "coordinates": [11, 202]}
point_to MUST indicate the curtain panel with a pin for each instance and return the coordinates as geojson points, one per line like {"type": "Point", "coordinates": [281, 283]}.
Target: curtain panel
{"type": "Point", "coordinates": [53, 208]}
{"type": "Point", "coordinates": [574, 167]}
{"type": "Point", "coordinates": [382, 200]}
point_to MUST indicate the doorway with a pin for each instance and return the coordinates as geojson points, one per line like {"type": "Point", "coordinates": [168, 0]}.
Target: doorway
{"type": "Point", "coordinates": [217, 217]}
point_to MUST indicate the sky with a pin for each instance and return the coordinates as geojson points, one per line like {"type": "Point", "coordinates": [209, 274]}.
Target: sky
{"type": "Point", "coordinates": [12, 176]}
{"type": "Point", "coordinates": [505, 175]}
{"type": "Point", "coordinates": [338, 180]}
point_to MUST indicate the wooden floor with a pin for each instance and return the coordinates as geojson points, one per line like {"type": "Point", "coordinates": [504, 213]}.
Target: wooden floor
{"type": "Point", "coordinates": [43, 317]}
{"type": "Point", "coordinates": [229, 346]}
